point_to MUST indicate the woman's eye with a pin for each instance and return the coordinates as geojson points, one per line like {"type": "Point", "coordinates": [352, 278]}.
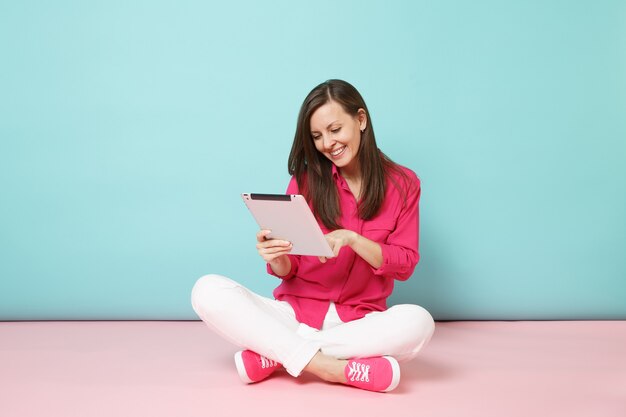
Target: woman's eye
{"type": "Point", "coordinates": [336, 130]}
{"type": "Point", "coordinates": [316, 137]}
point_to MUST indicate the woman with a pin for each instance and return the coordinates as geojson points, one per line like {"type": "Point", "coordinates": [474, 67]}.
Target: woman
{"type": "Point", "coordinates": [329, 316]}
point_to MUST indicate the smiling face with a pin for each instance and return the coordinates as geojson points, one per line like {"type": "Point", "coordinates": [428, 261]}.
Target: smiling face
{"type": "Point", "coordinates": [337, 134]}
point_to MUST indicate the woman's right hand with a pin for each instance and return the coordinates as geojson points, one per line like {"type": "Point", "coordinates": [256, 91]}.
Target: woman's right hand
{"type": "Point", "coordinates": [272, 250]}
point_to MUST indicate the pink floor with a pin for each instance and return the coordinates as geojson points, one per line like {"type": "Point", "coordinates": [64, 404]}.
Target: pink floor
{"type": "Point", "coordinates": [503, 369]}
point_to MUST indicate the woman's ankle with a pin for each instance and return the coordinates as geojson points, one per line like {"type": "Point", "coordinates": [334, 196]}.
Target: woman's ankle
{"type": "Point", "coordinates": [327, 368]}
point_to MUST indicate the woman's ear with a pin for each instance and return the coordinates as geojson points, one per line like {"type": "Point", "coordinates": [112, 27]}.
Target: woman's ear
{"type": "Point", "coordinates": [362, 118]}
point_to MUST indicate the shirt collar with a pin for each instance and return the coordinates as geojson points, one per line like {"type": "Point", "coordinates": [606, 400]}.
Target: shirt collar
{"type": "Point", "coordinates": [339, 180]}
{"type": "Point", "coordinates": [335, 171]}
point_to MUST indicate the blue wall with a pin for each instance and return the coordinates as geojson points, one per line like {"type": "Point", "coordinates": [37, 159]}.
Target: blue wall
{"type": "Point", "coordinates": [129, 129]}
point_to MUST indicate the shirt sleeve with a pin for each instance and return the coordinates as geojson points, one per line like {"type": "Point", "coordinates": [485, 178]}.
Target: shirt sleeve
{"type": "Point", "coordinates": [292, 188]}
{"type": "Point", "coordinates": [401, 249]}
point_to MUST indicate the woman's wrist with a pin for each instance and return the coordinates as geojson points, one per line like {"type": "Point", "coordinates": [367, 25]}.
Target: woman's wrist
{"type": "Point", "coordinates": [353, 239]}
{"type": "Point", "coordinates": [281, 265]}
{"type": "Point", "coordinates": [367, 249]}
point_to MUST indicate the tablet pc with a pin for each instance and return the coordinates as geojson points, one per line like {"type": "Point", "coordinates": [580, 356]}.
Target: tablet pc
{"type": "Point", "coordinates": [289, 218]}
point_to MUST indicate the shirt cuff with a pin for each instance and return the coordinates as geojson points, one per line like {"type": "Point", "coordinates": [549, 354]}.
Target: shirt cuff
{"type": "Point", "coordinates": [398, 262]}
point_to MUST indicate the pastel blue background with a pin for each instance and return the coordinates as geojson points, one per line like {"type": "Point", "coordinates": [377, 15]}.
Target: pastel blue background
{"type": "Point", "coordinates": [128, 130]}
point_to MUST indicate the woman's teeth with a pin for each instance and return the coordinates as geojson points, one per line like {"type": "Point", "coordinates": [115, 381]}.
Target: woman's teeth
{"type": "Point", "coordinates": [338, 151]}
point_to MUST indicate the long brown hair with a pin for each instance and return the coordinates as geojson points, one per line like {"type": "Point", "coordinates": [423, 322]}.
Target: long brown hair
{"type": "Point", "coordinates": [313, 171]}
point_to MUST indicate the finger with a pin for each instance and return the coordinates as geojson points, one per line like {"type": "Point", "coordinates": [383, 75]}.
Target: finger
{"type": "Point", "coordinates": [322, 259]}
{"type": "Point", "coordinates": [275, 249]}
{"type": "Point", "coordinates": [270, 258]}
{"type": "Point", "coordinates": [331, 242]}
{"type": "Point", "coordinates": [273, 243]}
{"type": "Point", "coordinates": [261, 235]}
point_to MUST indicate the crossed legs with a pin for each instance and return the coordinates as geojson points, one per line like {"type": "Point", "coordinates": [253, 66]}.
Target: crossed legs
{"type": "Point", "coordinates": [269, 328]}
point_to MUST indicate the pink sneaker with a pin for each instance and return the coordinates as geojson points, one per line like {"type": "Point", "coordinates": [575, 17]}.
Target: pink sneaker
{"type": "Point", "coordinates": [380, 374]}
{"type": "Point", "coordinates": [253, 367]}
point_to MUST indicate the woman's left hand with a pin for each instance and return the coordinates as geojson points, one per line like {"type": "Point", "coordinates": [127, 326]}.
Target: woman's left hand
{"type": "Point", "coordinates": [337, 239]}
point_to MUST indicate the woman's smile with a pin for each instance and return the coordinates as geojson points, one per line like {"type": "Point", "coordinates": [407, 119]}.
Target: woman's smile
{"type": "Point", "coordinates": [337, 153]}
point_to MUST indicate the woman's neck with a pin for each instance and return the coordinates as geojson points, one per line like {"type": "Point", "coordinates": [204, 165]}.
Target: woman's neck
{"type": "Point", "coordinates": [351, 172]}
{"type": "Point", "coordinates": [353, 178]}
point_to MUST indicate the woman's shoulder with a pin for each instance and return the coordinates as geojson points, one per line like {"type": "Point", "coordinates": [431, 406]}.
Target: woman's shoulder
{"type": "Point", "coordinates": [404, 177]}
{"type": "Point", "coordinates": [292, 187]}
{"type": "Point", "coordinates": [408, 172]}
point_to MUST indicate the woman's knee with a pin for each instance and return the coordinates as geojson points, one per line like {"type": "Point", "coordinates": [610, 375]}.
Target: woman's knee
{"type": "Point", "coordinates": [415, 321]}
{"type": "Point", "coordinates": [209, 289]}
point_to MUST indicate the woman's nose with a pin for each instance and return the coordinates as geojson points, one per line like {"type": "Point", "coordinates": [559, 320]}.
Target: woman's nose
{"type": "Point", "coordinates": [328, 142]}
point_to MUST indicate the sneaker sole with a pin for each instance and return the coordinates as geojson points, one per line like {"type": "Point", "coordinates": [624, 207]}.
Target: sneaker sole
{"type": "Point", "coordinates": [396, 374]}
{"type": "Point", "coordinates": [241, 369]}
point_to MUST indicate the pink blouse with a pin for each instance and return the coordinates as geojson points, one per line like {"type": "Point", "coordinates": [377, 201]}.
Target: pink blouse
{"type": "Point", "coordinates": [348, 280]}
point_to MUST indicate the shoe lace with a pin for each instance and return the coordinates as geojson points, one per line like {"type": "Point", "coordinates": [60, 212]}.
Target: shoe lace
{"type": "Point", "coordinates": [267, 363]}
{"type": "Point", "coordinates": [359, 372]}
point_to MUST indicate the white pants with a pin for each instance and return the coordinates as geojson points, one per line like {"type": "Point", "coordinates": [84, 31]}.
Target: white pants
{"type": "Point", "coordinates": [269, 327]}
